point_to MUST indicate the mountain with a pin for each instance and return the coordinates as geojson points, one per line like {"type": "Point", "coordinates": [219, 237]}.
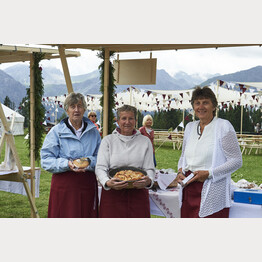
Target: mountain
{"type": "Point", "coordinates": [11, 88]}
{"type": "Point", "coordinates": [90, 83]}
{"type": "Point", "coordinates": [191, 80]}
{"type": "Point", "coordinates": [253, 74]}
{"type": "Point", "coordinates": [21, 72]}
{"type": "Point", "coordinates": [82, 78]}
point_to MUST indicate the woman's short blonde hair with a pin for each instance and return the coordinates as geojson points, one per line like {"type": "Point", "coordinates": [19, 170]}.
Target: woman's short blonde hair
{"type": "Point", "coordinates": [73, 99]}
{"type": "Point", "coordinates": [146, 117]}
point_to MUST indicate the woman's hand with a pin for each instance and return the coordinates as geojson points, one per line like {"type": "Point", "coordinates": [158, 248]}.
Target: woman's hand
{"type": "Point", "coordinates": [142, 183]}
{"type": "Point", "coordinates": [200, 176]}
{"type": "Point", "coordinates": [114, 183]}
{"type": "Point", "coordinates": [180, 176]}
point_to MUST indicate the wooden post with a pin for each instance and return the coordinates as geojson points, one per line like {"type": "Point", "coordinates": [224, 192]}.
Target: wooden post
{"type": "Point", "coordinates": [130, 97]}
{"type": "Point", "coordinates": [218, 84]}
{"type": "Point", "coordinates": [106, 97]}
{"type": "Point", "coordinates": [241, 123]}
{"type": "Point", "coordinates": [65, 69]}
{"type": "Point", "coordinates": [183, 119]}
{"type": "Point", "coordinates": [32, 130]}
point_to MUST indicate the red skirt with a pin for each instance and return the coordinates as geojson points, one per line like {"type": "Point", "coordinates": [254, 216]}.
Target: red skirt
{"type": "Point", "coordinates": [191, 202]}
{"type": "Point", "coordinates": [125, 203]}
{"type": "Point", "coordinates": [73, 195]}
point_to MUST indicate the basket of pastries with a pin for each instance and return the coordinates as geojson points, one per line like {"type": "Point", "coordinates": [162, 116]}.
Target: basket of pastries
{"type": "Point", "coordinates": [127, 173]}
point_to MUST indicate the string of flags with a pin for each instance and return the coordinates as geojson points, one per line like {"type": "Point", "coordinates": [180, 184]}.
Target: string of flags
{"type": "Point", "coordinates": [228, 94]}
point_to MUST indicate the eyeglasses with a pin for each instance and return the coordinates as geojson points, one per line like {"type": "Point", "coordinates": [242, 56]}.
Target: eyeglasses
{"type": "Point", "coordinates": [93, 115]}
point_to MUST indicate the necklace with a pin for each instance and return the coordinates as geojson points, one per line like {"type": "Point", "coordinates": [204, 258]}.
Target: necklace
{"type": "Point", "coordinates": [199, 129]}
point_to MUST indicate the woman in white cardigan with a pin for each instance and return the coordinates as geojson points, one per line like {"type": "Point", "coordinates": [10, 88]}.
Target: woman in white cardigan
{"type": "Point", "coordinates": [211, 152]}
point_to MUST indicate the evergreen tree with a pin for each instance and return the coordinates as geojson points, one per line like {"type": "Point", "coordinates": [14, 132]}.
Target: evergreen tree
{"type": "Point", "coordinates": [139, 119]}
{"type": "Point", "coordinates": [23, 110]}
{"type": "Point", "coordinates": [167, 119]}
{"type": "Point", "coordinates": [9, 103]}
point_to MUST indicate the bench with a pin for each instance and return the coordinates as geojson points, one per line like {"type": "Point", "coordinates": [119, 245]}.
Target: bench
{"type": "Point", "coordinates": [175, 137]}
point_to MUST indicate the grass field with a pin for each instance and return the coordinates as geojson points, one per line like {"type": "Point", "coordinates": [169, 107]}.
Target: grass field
{"type": "Point", "coordinates": [17, 206]}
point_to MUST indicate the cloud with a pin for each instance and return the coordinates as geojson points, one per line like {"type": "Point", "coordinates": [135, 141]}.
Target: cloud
{"type": "Point", "coordinates": [196, 61]}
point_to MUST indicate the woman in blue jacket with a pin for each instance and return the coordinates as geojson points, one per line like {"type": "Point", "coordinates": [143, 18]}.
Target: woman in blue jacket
{"type": "Point", "coordinates": [73, 190]}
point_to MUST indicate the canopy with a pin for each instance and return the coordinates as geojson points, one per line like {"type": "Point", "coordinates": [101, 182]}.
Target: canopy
{"type": "Point", "coordinates": [256, 85]}
{"type": "Point", "coordinates": [18, 127]}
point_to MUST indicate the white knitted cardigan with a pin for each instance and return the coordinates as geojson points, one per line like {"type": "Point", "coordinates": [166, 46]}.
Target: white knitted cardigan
{"type": "Point", "coordinates": [227, 158]}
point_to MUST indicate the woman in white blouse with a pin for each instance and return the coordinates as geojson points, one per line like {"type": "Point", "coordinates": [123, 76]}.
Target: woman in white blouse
{"type": "Point", "coordinates": [211, 152]}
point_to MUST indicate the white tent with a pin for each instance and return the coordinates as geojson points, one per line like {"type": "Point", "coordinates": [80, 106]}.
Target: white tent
{"type": "Point", "coordinates": [18, 128]}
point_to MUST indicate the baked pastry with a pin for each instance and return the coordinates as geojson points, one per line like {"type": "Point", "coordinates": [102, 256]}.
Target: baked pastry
{"type": "Point", "coordinates": [81, 162]}
{"type": "Point", "coordinates": [128, 175]}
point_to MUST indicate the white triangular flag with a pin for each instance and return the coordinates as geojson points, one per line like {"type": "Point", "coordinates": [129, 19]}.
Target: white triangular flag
{"type": "Point", "coordinates": [181, 125]}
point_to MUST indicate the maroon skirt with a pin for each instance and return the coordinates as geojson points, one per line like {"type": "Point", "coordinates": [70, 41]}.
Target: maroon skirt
{"type": "Point", "coordinates": [191, 202]}
{"type": "Point", "coordinates": [73, 195]}
{"type": "Point", "coordinates": [125, 203]}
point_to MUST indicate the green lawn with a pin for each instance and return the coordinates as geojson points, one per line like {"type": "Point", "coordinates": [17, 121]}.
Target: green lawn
{"type": "Point", "coordinates": [251, 170]}
{"type": "Point", "coordinates": [17, 206]}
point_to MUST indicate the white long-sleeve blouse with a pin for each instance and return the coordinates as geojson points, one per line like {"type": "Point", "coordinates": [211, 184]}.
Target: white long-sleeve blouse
{"type": "Point", "coordinates": [226, 158]}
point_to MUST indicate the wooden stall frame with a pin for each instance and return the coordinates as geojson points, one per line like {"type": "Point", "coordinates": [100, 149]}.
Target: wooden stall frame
{"type": "Point", "coordinates": [20, 175]}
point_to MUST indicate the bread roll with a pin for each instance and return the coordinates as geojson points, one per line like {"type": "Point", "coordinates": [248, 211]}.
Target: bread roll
{"type": "Point", "coordinates": [81, 162]}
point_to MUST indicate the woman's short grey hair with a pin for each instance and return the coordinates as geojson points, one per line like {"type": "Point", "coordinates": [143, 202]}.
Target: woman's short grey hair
{"type": "Point", "coordinates": [146, 117]}
{"type": "Point", "coordinates": [126, 108]}
{"type": "Point", "coordinates": [73, 99]}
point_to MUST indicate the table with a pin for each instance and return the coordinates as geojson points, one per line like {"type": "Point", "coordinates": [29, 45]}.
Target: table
{"type": "Point", "coordinates": [18, 187]}
{"type": "Point", "coordinates": [237, 210]}
{"type": "Point", "coordinates": [167, 203]}
{"type": "Point", "coordinates": [241, 210]}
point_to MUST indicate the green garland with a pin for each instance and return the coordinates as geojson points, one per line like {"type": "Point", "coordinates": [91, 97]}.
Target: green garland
{"type": "Point", "coordinates": [111, 89]}
{"type": "Point", "coordinates": [39, 108]}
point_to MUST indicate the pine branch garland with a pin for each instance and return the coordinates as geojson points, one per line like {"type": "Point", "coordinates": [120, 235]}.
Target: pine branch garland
{"type": "Point", "coordinates": [39, 108]}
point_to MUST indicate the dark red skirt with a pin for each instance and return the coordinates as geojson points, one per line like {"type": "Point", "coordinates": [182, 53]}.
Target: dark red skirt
{"type": "Point", "coordinates": [191, 202]}
{"type": "Point", "coordinates": [125, 203]}
{"type": "Point", "coordinates": [73, 195]}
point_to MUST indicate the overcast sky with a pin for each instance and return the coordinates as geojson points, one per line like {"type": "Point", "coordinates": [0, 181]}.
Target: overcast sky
{"type": "Point", "coordinates": [196, 61]}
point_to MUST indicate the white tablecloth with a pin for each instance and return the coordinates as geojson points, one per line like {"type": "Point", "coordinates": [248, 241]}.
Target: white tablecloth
{"type": "Point", "coordinates": [240, 210]}
{"type": "Point", "coordinates": [165, 202]}
{"type": "Point", "coordinates": [18, 187]}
